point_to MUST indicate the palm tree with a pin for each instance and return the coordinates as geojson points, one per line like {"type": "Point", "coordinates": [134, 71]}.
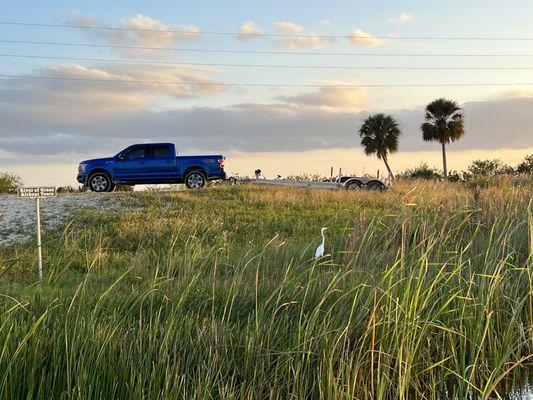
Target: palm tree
{"type": "Point", "coordinates": [444, 124]}
{"type": "Point", "coordinates": [379, 135]}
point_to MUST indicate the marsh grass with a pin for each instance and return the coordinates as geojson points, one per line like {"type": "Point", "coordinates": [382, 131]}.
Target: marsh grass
{"type": "Point", "coordinates": [426, 292]}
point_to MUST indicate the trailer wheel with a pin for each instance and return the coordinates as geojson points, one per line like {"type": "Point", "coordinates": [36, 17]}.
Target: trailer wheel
{"type": "Point", "coordinates": [375, 185]}
{"type": "Point", "coordinates": [353, 185]}
{"type": "Point", "coordinates": [100, 182]}
{"type": "Point", "coordinates": [195, 179]}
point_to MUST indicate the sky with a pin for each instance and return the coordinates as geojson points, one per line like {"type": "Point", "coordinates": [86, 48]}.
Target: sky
{"type": "Point", "coordinates": [285, 104]}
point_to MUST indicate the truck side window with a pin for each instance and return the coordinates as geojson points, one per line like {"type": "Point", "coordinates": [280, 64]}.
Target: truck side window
{"type": "Point", "coordinates": [161, 152]}
{"type": "Point", "coordinates": [135, 153]}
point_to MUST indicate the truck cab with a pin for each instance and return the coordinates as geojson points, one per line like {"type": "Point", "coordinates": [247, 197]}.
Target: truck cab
{"type": "Point", "coordinates": [153, 163]}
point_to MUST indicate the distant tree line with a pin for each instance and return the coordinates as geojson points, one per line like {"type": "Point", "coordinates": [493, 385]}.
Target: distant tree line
{"type": "Point", "coordinates": [477, 169]}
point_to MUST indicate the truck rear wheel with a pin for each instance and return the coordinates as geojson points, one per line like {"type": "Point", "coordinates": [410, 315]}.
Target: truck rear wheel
{"type": "Point", "coordinates": [195, 179]}
{"type": "Point", "coordinates": [100, 182]}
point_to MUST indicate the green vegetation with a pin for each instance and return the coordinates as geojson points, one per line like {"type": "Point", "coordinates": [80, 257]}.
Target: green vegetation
{"type": "Point", "coordinates": [526, 166]}
{"type": "Point", "coordinates": [214, 294]}
{"type": "Point", "coordinates": [480, 168]}
{"type": "Point", "coordinates": [423, 171]}
{"type": "Point", "coordinates": [379, 135]}
{"type": "Point", "coordinates": [9, 183]}
{"type": "Point", "coordinates": [444, 124]}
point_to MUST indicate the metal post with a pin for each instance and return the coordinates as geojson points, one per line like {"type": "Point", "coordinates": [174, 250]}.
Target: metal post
{"type": "Point", "coordinates": [331, 175]}
{"type": "Point", "coordinates": [39, 252]}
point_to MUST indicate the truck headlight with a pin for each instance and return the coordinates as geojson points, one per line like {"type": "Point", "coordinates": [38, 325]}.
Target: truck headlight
{"type": "Point", "coordinates": [81, 167]}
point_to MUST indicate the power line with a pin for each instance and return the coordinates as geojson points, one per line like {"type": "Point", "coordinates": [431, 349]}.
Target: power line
{"type": "Point", "coordinates": [341, 85]}
{"type": "Point", "coordinates": [152, 62]}
{"type": "Point", "coordinates": [286, 35]}
{"type": "Point", "coordinates": [176, 49]}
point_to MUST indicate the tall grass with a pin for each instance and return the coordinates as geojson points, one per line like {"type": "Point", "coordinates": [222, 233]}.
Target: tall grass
{"type": "Point", "coordinates": [426, 292]}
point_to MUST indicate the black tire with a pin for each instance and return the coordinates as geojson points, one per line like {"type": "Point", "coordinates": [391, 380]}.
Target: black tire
{"type": "Point", "coordinates": [100, 182]}
{"type": "Point", "coordinates": [375, 185]}
{"type": "Point", "coordinates": [195, 179]}
{"type": "Point", "coordinates": [353, 185]}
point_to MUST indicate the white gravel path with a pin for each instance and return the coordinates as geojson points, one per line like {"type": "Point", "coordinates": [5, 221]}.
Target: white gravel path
{"type": "Point", "coordinates": [17, 215]}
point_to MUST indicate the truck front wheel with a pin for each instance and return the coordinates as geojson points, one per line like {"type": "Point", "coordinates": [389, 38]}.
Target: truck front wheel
{"type": "Point", "coordinates": [195, 179]}
{"type": "Point", "coordinates": [100, 182]}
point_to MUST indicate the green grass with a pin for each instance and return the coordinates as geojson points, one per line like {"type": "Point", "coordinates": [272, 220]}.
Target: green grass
{"type": "Point", "coordinates": [426, 293]}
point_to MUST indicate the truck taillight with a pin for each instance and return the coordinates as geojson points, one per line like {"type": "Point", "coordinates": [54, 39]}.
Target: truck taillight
{"type": "Point", "coordinates": [221, 163]}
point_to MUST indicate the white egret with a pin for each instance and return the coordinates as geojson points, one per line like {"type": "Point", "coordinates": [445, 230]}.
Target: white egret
{"type": "Point", "coordinates": [320, 249]}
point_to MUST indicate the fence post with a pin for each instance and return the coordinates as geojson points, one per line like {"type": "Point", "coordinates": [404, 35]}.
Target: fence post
{"type": "Point", "coordinates": [39, 248]}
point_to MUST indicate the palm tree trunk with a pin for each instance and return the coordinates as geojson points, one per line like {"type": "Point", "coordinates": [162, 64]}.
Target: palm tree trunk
{"type": "Point", "coordinates": [444, 166]}
{"type": "Point", "coordinates": [391, 175]}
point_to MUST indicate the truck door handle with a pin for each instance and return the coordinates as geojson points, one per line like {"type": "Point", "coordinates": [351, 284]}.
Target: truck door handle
{"type": "Point", "coordinates": [169, 162]}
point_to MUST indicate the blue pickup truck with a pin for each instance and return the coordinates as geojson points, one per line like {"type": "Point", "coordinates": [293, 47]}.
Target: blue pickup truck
{"type": "Point", "coordinates": [152, 163]}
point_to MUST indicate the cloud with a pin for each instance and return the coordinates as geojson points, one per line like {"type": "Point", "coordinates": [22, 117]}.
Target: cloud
{"type": "Point", "coordinates": [249, 30]}
{"type": "Point", "coordinates": [360, 37]}
{"type": "Point", "coordinates": [325, 22]}
{"type": "Point", "coordinates": [86, 95]}
{"type": "Point", "coordinates": [302, 39]}
{"type": "Point", "coordinates": [139, 30]}
{"type": "Point", "coordinates": [331, 99]}
{"type": "Point", "coordinates": [290, 123]}
{"type": "Point", "coordinates": [288, 28]}
{"type": "Point", "coordinates": [401, 18]}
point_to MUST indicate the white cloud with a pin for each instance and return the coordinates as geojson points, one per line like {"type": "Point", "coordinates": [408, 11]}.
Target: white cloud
{"type": "Point", "coordinates": [86, 96]}
{"type": "Point", "coordinates": [360, 37]}
{"type": "Point", "coordinates": [329, 99]}
{"type": "Point", "coordinates": [145, 32]}
{"type": "Point", "coordinates": [249, 30]}
{"type": "Point", "coordinates": [325, 22]}
{"type": "Point", "coordinates": [302, 39]}
{"type": "Point", "coordinates": [288, 28]}
{"type": "Point", "coordinates": [401, 18]}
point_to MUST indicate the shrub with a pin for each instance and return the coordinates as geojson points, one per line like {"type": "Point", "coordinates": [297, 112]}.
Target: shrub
{"type": "Point", "coordinates": [455, 176]}
{"type": "Point", "coordinates": [71, 189]}
{"type": "Point", "coordinates": [483, 168]}
{"type": "Point", "coordinates": [423, 171]}
{"type": "Point", "coordinates": [526, 166]}
{"type": "Point", "coordinates": [9, 182]}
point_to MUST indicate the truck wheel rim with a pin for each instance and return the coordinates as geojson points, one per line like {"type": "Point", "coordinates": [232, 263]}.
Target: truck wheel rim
{"type": "Point", "coordinates": [99, 183]}
{"type": "Point", "coordinates": [195, 181]}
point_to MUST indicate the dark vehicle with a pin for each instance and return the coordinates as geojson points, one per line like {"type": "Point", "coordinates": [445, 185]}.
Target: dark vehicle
{"type": "Point", "coordinates": [152, 163]}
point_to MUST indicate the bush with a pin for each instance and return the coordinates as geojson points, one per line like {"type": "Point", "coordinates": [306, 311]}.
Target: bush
{"type": "Point", "coordinates": [526, 166]}
{"type": "Point", "coordinates": [485, 168]}
{"type": "Point", "coordinates": [9, 182]}
{"type": "Point", "coordinates": [71, 189]}
{"type": "Point", "coordinates": [455, 176]}
{"type": "Point", "coordinates": [423, 171]}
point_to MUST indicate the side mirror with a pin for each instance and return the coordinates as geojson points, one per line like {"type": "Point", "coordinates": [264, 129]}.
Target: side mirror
{"type": "Point", "coordinates": [121, 157]}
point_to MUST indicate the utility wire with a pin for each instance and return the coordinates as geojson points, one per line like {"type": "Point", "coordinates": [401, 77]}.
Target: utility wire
{"type": "Point", "coordinates": [112, 46]}
{"type": "Point", "coordinates": [348, 85]}
{"type": "Point", "coordinates": [355, 67]}
{"type": "Point", "coordinates": [288, 35]}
